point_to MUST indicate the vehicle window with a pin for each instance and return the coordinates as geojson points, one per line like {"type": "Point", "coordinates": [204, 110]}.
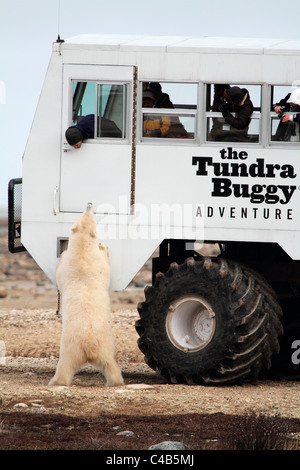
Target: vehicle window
{"type": "Point", "coordinates": [179, 104]}
{"type": "Point", "coordinates": [83, 100]}
{"type": "Point", "coordinates": [282, 130]}
{"type": "Point", "coordinates": [107, 102]}
{"type": "Point", "coordinates": [233, 112]}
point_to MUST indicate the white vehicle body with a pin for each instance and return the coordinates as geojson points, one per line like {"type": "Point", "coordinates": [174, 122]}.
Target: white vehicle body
{"type": "Point", "coordinates": [173, 177]}
{"type": "Point", "coordinates": [144, 190]}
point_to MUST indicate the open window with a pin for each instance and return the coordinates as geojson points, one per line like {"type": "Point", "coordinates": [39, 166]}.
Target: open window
{"type": "Point", "coordinates": [282, 131]}
{"type": "Point", "coordinates": [169, 110]}
{"type": "Point", "coordinates": [217, 129]}
{"type": "Point", "coordinates": [105, 103]}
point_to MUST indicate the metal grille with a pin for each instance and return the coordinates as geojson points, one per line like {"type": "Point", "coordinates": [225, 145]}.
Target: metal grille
{"type": "Point", "coordinates": [14, 215]}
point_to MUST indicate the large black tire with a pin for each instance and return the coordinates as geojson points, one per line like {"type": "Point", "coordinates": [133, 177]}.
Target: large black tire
{"type": "Point", "coordinates": [208, 321]}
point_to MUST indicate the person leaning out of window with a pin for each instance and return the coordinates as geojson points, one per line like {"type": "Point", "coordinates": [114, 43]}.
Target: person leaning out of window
{"type": "Point", "coordinates": [76, 134]}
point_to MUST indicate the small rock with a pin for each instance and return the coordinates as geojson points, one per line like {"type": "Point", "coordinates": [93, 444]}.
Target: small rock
{"type": "Point", "coordinates": [139, 386]}
{"type": "Point", "coordinates": [139, 284]}
{"type": "Point", "coordinates": [58, 388]}
{"type": "Point", "coordinates": [125, 433]}
{"type": "Point", "coordinates": [3, 293]}
{"type": "Point", "coordinates": [168, 445]}
{"type": "Point", "coordinates": [20, 405]}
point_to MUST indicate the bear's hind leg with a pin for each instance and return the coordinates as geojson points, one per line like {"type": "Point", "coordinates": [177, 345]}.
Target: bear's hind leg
{"type": "Point", "coordinates": [110, 370]}
{"type": "Point", "coordinates": [112, 373]}
{"type": "Point", "coordinates": [65, 371]}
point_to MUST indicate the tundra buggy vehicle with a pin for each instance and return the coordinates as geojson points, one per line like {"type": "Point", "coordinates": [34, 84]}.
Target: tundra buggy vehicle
{"type": "Point", "coordinates": [188, 148]}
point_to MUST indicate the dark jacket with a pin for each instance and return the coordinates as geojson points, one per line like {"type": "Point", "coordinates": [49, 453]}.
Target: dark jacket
{"type": "Point", "coordinates": [86, 126]}
{"type": "Point", "coordinates": [233, 128]}
{"type": "Point", "coordinates": [108, 127]}
{"type": "Point", "coordinates": [286, 130]}
{"type": "Point", "coordinates": [242, 117]}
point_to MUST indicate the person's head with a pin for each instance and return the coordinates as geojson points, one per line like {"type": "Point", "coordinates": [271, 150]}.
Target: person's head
{"type": "Point", "coordinates": [219, 90]}
{"type": "Point", "coordinates": [294, 99]}
{"type": "Point", "coordinates": [155, 87]}
{"type": "Point", "coordinates": [234, 95]}
{"type": "Point", "coordinates": [74, 137]}
{"type": "Point", "coordinates": [148, 99]}
{"type": "Point", "coordinates": [78, 145]}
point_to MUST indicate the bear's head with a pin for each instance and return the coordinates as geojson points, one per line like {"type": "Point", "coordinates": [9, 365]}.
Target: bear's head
{"type": "Point", "coordinates": [86, 223]}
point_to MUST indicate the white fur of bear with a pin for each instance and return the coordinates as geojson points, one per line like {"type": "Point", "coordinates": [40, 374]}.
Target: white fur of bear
{"type": "Point", "coordinates": [83, 277]}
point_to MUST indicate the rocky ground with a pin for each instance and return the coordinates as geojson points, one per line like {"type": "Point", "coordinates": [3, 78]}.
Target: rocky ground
{"type": "Point", "coordinates": [143, 412]}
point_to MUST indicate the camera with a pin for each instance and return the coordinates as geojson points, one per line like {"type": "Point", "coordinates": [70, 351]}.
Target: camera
{"type": "Point", "coordinates": [224, 106]}
{"type": "Point", "coordinates": [223, 100]}
{"type": "Point", "coordinates": [281, 112]}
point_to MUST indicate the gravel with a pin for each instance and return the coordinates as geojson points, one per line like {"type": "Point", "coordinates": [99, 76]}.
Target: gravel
{"type": "Point", "coordinates": [30, 331]}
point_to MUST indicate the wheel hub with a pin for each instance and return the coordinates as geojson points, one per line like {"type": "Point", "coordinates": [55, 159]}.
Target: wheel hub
{"type": "Point", "coordinates": [190, 323]}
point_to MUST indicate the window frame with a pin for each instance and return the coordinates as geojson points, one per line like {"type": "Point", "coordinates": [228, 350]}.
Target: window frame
{"type": "Point", "coordinates": [198, 112]}
{"type": "Point", "coordinates": [273, 114]}
{"type": "Point", "coordinates": [176, 111]}
{"type": "Point", "coordinates": [126, 113]}
{"type": "Point", "coordinates": [256, 115]}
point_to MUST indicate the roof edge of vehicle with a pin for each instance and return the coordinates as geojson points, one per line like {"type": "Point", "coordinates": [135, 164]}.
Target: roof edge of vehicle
{"type": "Point", "coordinates": [203, 44]}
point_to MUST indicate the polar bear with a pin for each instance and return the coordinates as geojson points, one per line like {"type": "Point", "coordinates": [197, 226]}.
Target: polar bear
{"type": "Point", "coordinates": [83, 277]}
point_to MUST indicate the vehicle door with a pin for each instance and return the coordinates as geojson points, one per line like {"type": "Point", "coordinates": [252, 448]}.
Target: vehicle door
{"type": "Point", "coordinates": [100, 170]}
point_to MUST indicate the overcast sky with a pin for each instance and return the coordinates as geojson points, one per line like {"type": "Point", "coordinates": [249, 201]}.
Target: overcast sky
{"type": "Point", "coordinates": [29, 27]}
